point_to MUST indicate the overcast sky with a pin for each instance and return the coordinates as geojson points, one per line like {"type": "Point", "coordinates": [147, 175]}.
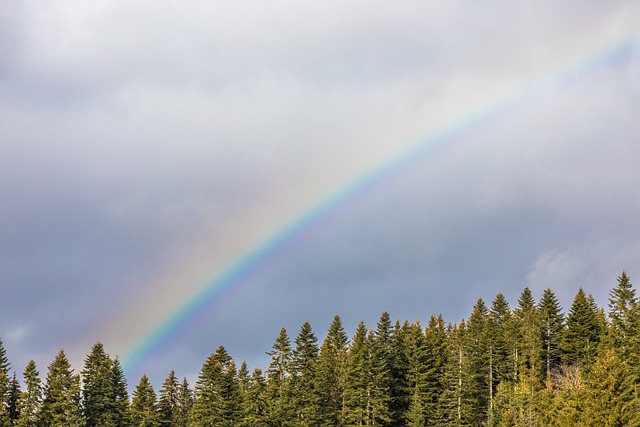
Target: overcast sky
{"type": "Point", "coordinates": [147, 146]}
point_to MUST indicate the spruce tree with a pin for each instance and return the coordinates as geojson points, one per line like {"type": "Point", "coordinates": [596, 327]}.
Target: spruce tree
{"type": "Point", "coordinates": [332, 364]}
{"type": "Point", "coordinates": [217, 395]}
{"type": "Point", "coordinates": [144, 408]}
{"type": "Point", "coordinates": [254, 404]}
{"type": "Point", "coordinates": [97, 388]}
{"type": "Point", "coordinates": [31, 399]}
{"type": "Point", "coordinates": [119, 414]}
{"type": "Point", "coordinates": [185, 403]}
{"type": "Point", "coordinates": [624, 332]}
{"type": "Point", "coordinates": [13, 400]}
{"type": "Point", "coordinates": [4, 385]}
{"type": "Point", "coordinates": [380, 385]}
{"type": "Point", "coordinates": [168, 401]}
{"type": "Point", "coordinates": [499, 352]}
{"type": "Point", "coordinates": [552, 325]}
{"type": "Point", "coordinates": [475, 392]}
{"type": "Point", "coordinates": [355, 409]}
{"type": "Point", "coordinates": [306, 399]}
{"type": "Point", "coordinates": [582, 334]}
{"type": "Point", "coordinates": [279, 391]}
{"type": "Point", "coordinates": [611, 393]}
{"type": "Point", "coordinates": [61, 405]}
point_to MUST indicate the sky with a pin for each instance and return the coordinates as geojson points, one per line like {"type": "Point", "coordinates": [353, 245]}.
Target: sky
{"type": "Point", "coordinates": [207, 173]}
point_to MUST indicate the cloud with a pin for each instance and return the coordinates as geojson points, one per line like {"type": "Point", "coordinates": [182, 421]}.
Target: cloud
{"type": "Point", "coordinates": [146, 146]}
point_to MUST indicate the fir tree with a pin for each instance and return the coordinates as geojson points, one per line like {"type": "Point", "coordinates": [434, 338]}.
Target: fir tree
{"type": "Point", "coordinates": [499, 323]}
{"type": "Point", "coordinates": [61, 405]}
{"type": "Point", "coordinates": [31, 399]}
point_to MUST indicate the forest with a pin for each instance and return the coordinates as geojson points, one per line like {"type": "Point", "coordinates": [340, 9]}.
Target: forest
{"type": "Point", "coordinates": [530, 365]}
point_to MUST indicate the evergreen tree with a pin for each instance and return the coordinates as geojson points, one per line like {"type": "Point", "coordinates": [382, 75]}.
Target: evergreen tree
{"type": "Point", "coordinates": [31, 399]}
{"type": "Point", "coordinates": [475, 390]}
{"type": "Point", "coordinates": [4, 385]}
{"type": "Point", "coordinates": [399, 369]}
{"type": "Point", "coordinates": [254, 404]}
{"type": "Point", "coordinates": [119, 414]}
{"type": "Point", "coordinates": [355, 408]}
{"type": "Point", "coordinates": [582, 334]}
{"type": "Point", "coordinates": [380, 385]}
{"type": "Point", "coordinates": [306, 399]}
{"type": "Point", "coordinates": [552, 324]}
{"type": "Point", "coordinates": [61, 405]}
{"type": "Point", "coordinates": [217, 394]}
{"type": "Point", "coordinates": [279, 391]}
{"type": "Point", "coordinates": [144, 409]}
{"type": "Point", "coordinates": [624, 333]}
{"type": "Point", "coordinates": [168, 410]}
{"type": "Point", "coordinates": [332, 364]}
{"type": "Point", "coordinates": [97, 389]}
{"type": "Point", "coordinates": [450, 408]}
{"type": "Point", "coordinates": [13, 400]}
{"type": "Point", "coordinates": [611, 393]}
{"type": "Point", "coordinates": [185, 403]}
{"type": "Point", "coordinates": [499, 323]}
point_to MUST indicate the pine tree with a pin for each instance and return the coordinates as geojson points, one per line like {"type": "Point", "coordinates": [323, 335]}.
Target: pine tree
{"type": "Point", "coordinates": [31, 399]}
{"type": "Point", "coordinates": [552, 324]}
{"type": "Point", "coordinates": [304, 360]}
{"type": "Point", "coordinates": [332, 364]}
{"type": "Point", "coordinates": [279, 391]}
{"type": "Point", "coordinates": [168, 402]}
{"type": "Point", "coordinates": [144, 409]}
{"type": "Point", "coordinates": [450, 408]}
{"type": "Point", "coordinates": [582, 334]}
{"type": "Point", "coordinates": [97, 390]}
{"type": "Point", "coordinates": [61, 405]}
{"type": "Point", "coordinates": [217, 394]}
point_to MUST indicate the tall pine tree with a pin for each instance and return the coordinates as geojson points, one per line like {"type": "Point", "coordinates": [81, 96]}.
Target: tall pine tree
{"type": "Point", "coordinates": [61, 405]}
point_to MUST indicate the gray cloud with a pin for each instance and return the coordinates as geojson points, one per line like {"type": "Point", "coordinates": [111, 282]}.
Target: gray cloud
{"type": "Point", "coordinates": [140, 138]}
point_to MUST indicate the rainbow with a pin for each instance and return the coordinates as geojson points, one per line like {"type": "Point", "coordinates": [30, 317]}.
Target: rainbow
{"type": "Point", "coordinates": [346, 201]}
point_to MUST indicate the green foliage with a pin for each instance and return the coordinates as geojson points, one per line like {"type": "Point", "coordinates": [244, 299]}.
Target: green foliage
{"type": "Point", "coordinates": [582, 334]}
{"type": "Point", "coordinates": [61, 405]}
{"type": "Point", "coordinates": [498, 367]}
{"type": "Point", "coordinates": [31, 399]}
{"type": "Point", "coordinates": [217, 393]}
{"type": "Point", "coordinates": [144, 409]}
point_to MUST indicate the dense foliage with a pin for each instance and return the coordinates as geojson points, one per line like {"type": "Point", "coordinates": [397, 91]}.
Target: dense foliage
{"type": "Point", "coordinates": [523, 366]}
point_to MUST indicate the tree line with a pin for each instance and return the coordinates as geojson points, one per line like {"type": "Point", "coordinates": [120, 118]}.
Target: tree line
{"type": "Point", "coordinates": [530, 365]}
